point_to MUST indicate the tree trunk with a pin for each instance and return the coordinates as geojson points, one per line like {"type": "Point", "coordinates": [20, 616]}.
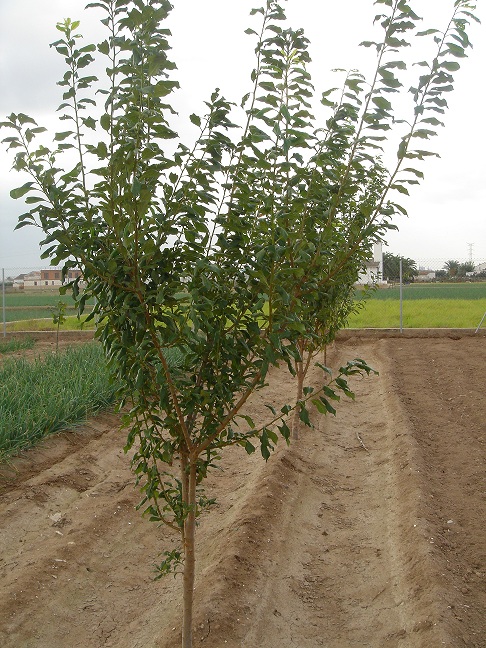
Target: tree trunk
{"type": "Point", "coordinates": [300, 392]}
{"type": "Point", "coordinates": [189, 553]}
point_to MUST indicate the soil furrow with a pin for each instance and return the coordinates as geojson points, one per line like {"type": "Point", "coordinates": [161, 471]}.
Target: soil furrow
{"type": "Point", "coordinates": [367, 532]}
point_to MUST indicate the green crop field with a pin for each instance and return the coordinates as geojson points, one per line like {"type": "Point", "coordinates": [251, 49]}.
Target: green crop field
{"type": "Point", "coordinates": [11, 346]}
{"type": "Point", "coordinates": [432, 291]}
{"type": "Point", "coordinates": [21, 299]}
{"type": "Point", "coordinates": [50, 393]}
{"type": "Point", "coordinates": [39, 312]}
{"type": "Point", "coordinates": [35, 305]}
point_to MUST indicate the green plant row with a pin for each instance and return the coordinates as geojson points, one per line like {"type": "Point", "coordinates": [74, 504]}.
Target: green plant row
{"type": "Point", "coordinates": [32, 312]}
{"type": "Point", "coordinates": [51, 393]}
{"type": "Point", "coordinates": [39, 298]}
{"type": "Point", "coordinates": [424, 313]}
{"type": "Point", "coordinates": [10, 346]}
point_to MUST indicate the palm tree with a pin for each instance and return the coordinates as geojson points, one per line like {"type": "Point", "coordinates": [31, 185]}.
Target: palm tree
{"type": "Point", "coordinates": [391, 268]}
{"type": "Point", "coordinates": [452, 268]}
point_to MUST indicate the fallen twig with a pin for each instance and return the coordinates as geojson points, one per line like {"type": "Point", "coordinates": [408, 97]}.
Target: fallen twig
{"type": "Point", "coordinates": [361, 442]}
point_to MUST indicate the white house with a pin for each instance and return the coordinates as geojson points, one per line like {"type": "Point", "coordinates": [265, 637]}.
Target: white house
{"type": "Point", "coordinates": [373, 271]}
{"type": "Point", "coordinates": [29, 280]}
{"type": "Point", "coordinates": [426, 275]}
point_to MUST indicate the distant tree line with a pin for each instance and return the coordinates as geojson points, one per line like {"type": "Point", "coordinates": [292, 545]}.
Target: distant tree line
{"type": "Point", "coordinates": [455, 270]}
{"type": "Point", "coordinates": [452, 270]}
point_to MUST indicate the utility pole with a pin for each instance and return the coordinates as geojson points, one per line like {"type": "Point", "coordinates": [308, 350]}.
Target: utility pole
{"type": "Point", "coordinates": [3, 304]}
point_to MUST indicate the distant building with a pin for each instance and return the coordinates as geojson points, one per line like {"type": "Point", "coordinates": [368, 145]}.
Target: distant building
{"type": "Point", "coordinates": [51, 278]}
{"type": "Point", "coordinates": [372, 273]}
{"type": "Point", "coordinates": [426, 275]}
{"type": "Point", "coordinates": [28, 280]}
{"type": "Point", "coordinates": [42, 279]}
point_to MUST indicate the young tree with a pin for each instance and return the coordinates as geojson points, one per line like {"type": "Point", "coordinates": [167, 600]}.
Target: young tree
{"type": "Point", "coordinates": [229, 256]}
{"type": "Point", "coordinates": [58, 318]}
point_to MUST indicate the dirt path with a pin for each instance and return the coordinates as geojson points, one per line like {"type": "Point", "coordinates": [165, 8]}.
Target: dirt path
{"type": "Point", "coordinates": [343, 540]}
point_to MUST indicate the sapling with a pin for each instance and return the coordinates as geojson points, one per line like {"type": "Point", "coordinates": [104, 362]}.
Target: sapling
{"type": "Point", "coordinates": [58, 318]}
{"type": "Point", "coordinates": [213, 263]}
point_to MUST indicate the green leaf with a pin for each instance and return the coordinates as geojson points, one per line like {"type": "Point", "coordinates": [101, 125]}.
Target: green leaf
{"type": "Point", "coordinates": [381, 102]}
{"type": "Point", "coordinates": [330, 393]}
{"type": "Point", "coordinates": [451, 66]}
{"type": "Point", "coordinates": [25, 119]}
{"type": "Point", "coordinates": [427, 32]}
{"type": "Point", "coordinates": [402, 149]}
{"type": "Point", "coordinates": [400, 188]}
{"type": "Point", "coordinates": [329, 408]}
{"type": "Point", "coordinates": [21, 191]}
{"type": "Point", "coordinates": [105, 122]}
{"type": "Point", "coordinates": [62, 136]}
{"type": "Point", "coordinates": [136, 187]}
{"type": "Point", "coordinates": [250, 448]}
{"type": "Point", "coordinates": [304, 416]}
{"type": "Point", "coordinates": [324, 368]}
{"type": "Point", "coordinates": [416, 172]}
{"type": "Point", "coordinates": [104, 47]}
{"type": "Point", "coordinates": [456, 51]}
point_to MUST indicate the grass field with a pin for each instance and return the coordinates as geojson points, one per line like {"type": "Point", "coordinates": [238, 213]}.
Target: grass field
{"type": "Point", "coordinates": [420, 313]}
{"type": "Point", "coordinates": [50, 393]}
{"type": "Point", "coordinates": [434, 305]}
{"type": "Point", "coordinates": [72, 323]}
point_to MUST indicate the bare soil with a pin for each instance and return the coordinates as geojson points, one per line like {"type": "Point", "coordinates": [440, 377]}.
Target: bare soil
{"type": "Point", "coordinates": [367, 532]}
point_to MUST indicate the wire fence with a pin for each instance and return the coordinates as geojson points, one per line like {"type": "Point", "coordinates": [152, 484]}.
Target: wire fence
{"type": "Point", "coordinates": [31, 294]}
{"type": "Point", "coordinates": [420, 293]}
{"type": "Point", "coordinates": [424, 293]}
{"type": "Point", "coordinates": [435, 270]}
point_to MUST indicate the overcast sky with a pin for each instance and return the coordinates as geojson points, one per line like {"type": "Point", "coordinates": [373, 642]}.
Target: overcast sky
{"type": "Point", "coordinates": [446, 213]}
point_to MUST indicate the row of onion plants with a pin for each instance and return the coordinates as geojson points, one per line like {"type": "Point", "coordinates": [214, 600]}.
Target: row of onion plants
{"type": "Point", "coordinates": [50, 394]}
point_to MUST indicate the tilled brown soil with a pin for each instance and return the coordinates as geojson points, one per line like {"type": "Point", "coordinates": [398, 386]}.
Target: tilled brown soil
{"type": "Point", "coordinates": [367, 532]}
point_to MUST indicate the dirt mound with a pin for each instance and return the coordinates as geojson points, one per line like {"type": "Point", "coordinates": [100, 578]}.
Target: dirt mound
{"type": "Point", "coordinates": [367, 532]}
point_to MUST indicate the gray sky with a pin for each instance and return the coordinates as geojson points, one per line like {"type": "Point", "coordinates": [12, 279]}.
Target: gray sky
{"type": "Point", "coordinates": [445, 213]}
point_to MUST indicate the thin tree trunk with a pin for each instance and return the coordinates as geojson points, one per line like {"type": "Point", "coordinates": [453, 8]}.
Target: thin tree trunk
{"type": "Point", "coordinates": [189, 553]}
{"type": "Point", "coordinates": [299, 366]}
